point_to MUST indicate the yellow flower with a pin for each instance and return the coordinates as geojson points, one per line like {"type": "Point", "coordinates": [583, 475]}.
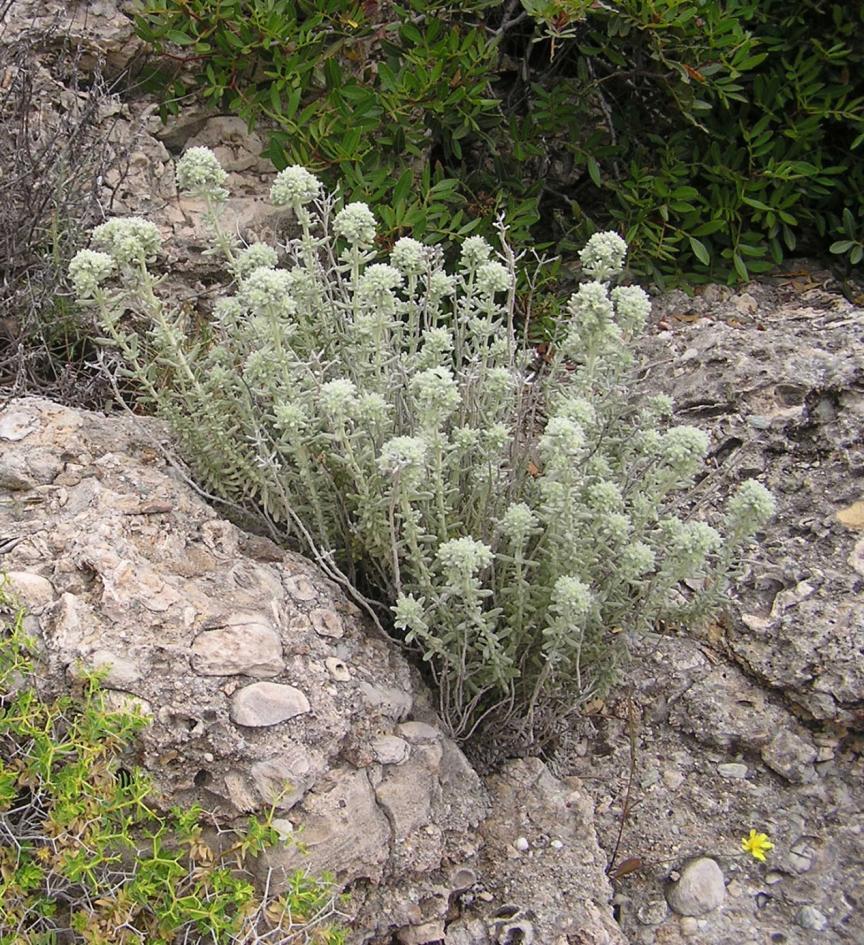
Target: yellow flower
{"type": "Point", "coordinates": [756, 844]}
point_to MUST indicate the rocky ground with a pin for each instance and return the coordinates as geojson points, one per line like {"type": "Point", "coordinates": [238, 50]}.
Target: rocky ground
{"type": "Point", "coordinates": [755, 722]}
{"type": "Point", "coordinates": [752, 723]}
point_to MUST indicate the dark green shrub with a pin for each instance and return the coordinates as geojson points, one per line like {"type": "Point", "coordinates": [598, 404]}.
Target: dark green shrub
{"type": "Point", "coordinates": [716, 137]}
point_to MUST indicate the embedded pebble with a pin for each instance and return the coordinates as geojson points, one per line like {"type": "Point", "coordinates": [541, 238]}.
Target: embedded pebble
{"type": "Point", "coordinates": [790, 756]}
{"type": "Point", "coordinates": [809, 917]}
{"type": "Point", "coordinates": [733, 770]}
{"type": "Point", "coordinates": [390, 750]}
{"type": "Point", "coordinates": [521, 844]}
{"type": "Point", "coordinates": [327, 623]}
{"type": "Point", "coordinates": [700, 889]}
{"type": "Point", "coordinates": [800, 858]}
{"type": "Point", "coordinates": [33, 589]}
{"type": "Point", "coordinates": [265, 703]}
{"type": "Point", "coordinates": [673, 779]}
{"type": "Point", "coordinates": [248, 644]}
{"type": "Point", "coordinates": [337, 669]}
{"type": "Point", "coordinates": [652, 912]}
{"type": "Point", "coordinates": [556, 844]}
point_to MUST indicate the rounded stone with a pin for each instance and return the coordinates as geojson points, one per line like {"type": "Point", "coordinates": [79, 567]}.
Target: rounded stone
{"type": "Point", "coordinates": [33, 589]}
{"type": "Point", "coordinates": [263, 704]}
{"type": "Point", "coordinates": [247, 645]}
{"type": "Point", "coordinates": [337, 669]}
{"type": "Point", "coordinates": [327, 623]}
{"type": "Point", "coordinates": [809, 917]}
{"type": "Point", "coordinates": [390, 750]}
{"type": "Point", "coordinates": [734, 770]}
{"type": "Point", "coordinates": [701, 888]}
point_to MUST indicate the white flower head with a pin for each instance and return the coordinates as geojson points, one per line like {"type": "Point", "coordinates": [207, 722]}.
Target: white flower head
{"type": "Point", "coordinates": [200, 173]}
{"type": "Point", "coordinates": [591, 308]}
{"type": "Point", "coordinates": [562, 440]}
{"type": "Point", "coordinates": [88, 270]}
{"type": "Point", "coordinates": [373, 408]}
{"type": "Point", "coordinates": [688, 543]}
{"type": "Point", "coordinates": [683, 449]}
{"type": "Point", "coordinates": [518, 523]}
{"type": "Point", "coordinates": [603, 255]}
{"type": "Point", "coordinates": [437, 344]}
{"type": "Point", "coordinates": [409, 613]}
{"type": "Point", "coordinates": [267, 291]}
{"type": "Point", "coordinates": [604, 496]}
{"type": "Point", "coordinates": [440, 286]}
{"type": "Point", "coordinates": [294, 187]}
{"type": "Point", "coordinates": [499, 383]}
{"type": "Point", "coordinates": [496, 437]}
{"type": "Point", "coordinates": [437, 395]}
{"type": "Point", "coordinates": [356, 223]}
{"type": "Point", "coordinates": [572, 599]}
{"type": "Point", "coordinates": [749, 509]}
{"type": "Point", "coordinates": [128, 239]}
{"type": "Point", "coordinates": [254, 257]}
{"type": "Point", "coordinates": [463, 557]}
{"type": "Point", "coordinates": [577, 409]}
{"type": "Point", "coordinates": [291, 417]}
{"type": "Point", "coordinates": [632, 307]}
{"type": "Point", "coordinates": [409, 256]}
{"type": "Point", "coordinates": [339, 398]}
{"type": "Point", "coordinates": [493, 278]}
{"type": "Point", "coordinates": [635, 560]}
{"type": "Point", "coordinates": [228, 311]}
{"type": "Point", "coordinates": [475, 252]}
{"type": "Point", "coordinates": [378, 281]}
{"type": "Point", "coordinates": [404, 456]}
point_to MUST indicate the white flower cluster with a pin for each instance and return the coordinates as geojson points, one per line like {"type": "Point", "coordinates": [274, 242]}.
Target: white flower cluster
{"type": "Point", "coordinates": [463, 557]}
{"type": "Point", "coordinates": [409, 256]}
{"type": "Point", "coordinates": [128, 240]}
{"type": "Point", "coordinates": [295, 187]}
{"type": "Point", "coordinates": [440, 285]}
{"type": "Point", "coordinates": [562, 441]}
{"type": "Point", "coordinates": [475, 252]}
{"type": "Point", "coordinates": [632, 307]}
{"type": "Point", "coordinates": [682, 449]}
{"type": "Point", "coordinates": [603, 256]}
{"type": "Point", "coordinates": [518, 523]}
{"type": "Point", "coordinates": [378, 281]}
{"type": "Point", "coordinates": [749, 509]}
{"type": "Point", "coordinates": [492, 278]}
{"type": "Point", "coordinates": [267, 291]}
{"type": "Point", "coordinates": [688, 544]}
{"type": "Point", "coordinates": [88, 270]}
{"type": "Point", "coordinates": [437, 395]}
{"type": "Point", "coordinates": [256, 256]}
{"type": "Point", "coordinates": [636, 560]}
{"type": "Point", "coordinates": [409, 613]}
{"type": "Point", "coordinates": [339, 398]}
{"type": "Point", "coordinates": [356, 223]}
{"type": "Point", "coordinates": [200, 173]}
{"type": "Point", "coordinates": [405, 456]}
{"type": "Point", "coordinates": [571, 599]}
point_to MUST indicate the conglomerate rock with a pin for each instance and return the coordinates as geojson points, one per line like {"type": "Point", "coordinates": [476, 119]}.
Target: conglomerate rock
{"type": "Point", "coordinates": [265, 687]}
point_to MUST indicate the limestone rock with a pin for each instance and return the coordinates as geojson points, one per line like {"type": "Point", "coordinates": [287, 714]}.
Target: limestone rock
{"type": "Point", "coordinates": [247, 644]}
{"type": "Point", "coordinates": [263, 704]}
{"type": "Point", "coordinates": [131, 572]}
{"type": "Point", "coordinates": [700, 889]}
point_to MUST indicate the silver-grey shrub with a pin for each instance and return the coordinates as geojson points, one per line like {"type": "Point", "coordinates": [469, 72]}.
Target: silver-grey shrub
{"type": "Point", "coordinates": [514, 516]}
